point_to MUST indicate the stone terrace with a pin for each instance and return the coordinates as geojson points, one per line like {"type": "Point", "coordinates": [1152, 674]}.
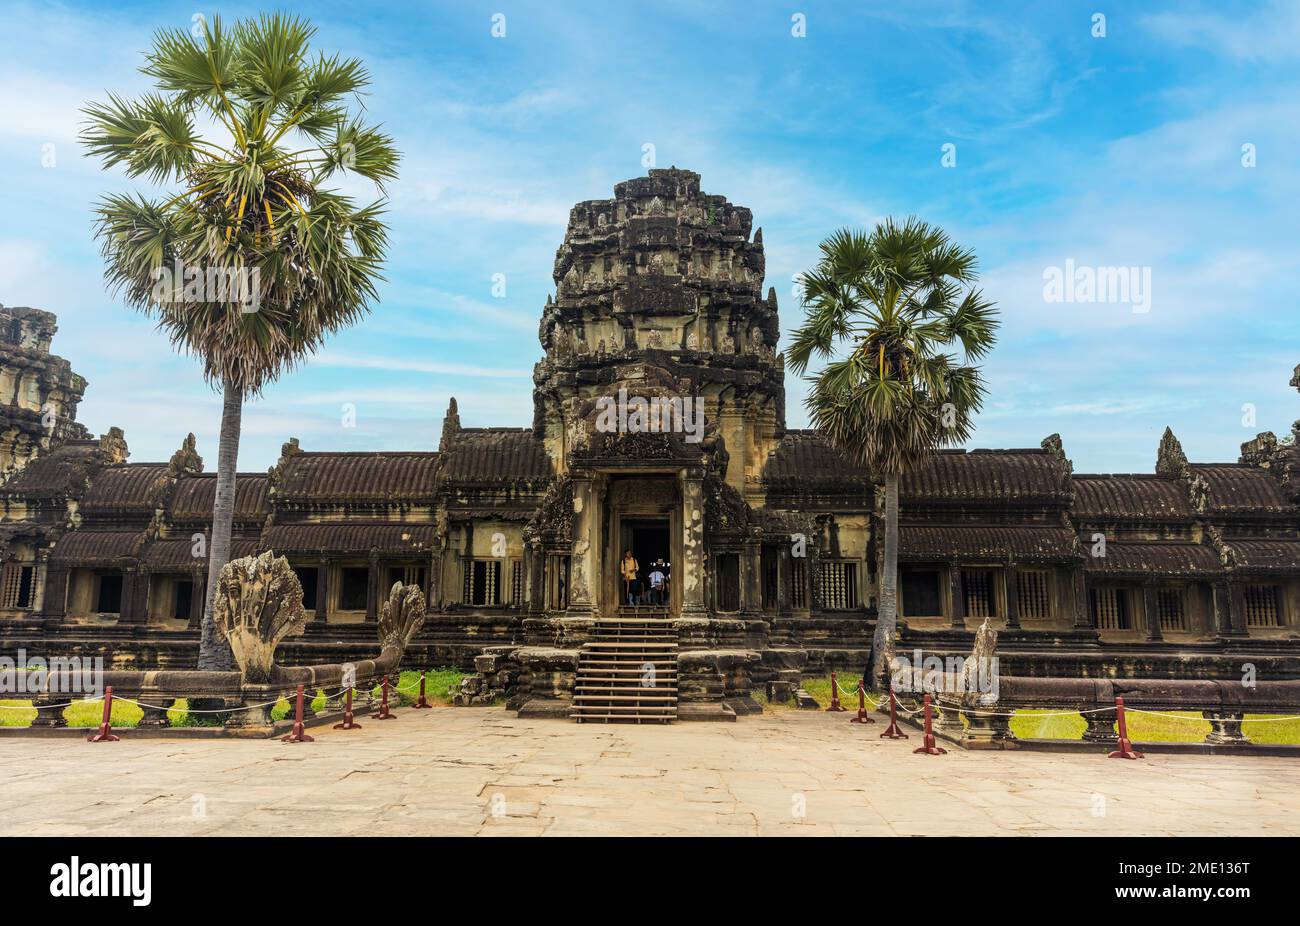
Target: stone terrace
{"type": "Point", "coordinates": [443, 772]}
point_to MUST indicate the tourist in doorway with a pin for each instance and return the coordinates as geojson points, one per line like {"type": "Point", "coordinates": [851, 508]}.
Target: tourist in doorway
{"type": "Point", "coordinates": [629, 570]}
{"type": "Point", "coordinates": [657, 583]}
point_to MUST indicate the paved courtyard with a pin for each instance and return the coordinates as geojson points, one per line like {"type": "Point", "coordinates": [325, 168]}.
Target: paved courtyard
{"type": "Point", "coordinates": [486, 772]}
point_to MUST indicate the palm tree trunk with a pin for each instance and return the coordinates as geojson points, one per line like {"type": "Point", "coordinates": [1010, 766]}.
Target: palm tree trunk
{"type": "Point", "coordinates": [887, 615]}
{"type": "Point", "coordinates": [214, 652]}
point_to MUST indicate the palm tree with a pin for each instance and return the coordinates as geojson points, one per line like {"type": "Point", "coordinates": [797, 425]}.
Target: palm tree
{"type": "Point", "coordinates": [894, 315]}
{"type": "Point", "coordinates": [245, 261]}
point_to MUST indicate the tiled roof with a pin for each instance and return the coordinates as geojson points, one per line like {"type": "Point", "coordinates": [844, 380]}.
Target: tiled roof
{"type": "Point", "coordinates": [96, 548]}
{"type": "Point", "coordinates": [195, 495]}
{"type": "Point", "coordinates": [1239, 488]}
{"type": "Point", "coordinates": [126, 487]}
{"type": "Point", "coordinates": [1034, 543]}
{"type": "Point", "coordinates": [807, 458]}
{"type": "Point", "coordinates": [495, 455]}
{"type": "Point", "coordinates": [1266, 555]}
{"type": "Point", "coordinates": [985, 475]}
{"type": "Point", "coordinates": [1130, 497]}
{"type": "Point", "coordinates": [1156, 559]}
{"type": "Point", "coordinates": [396, 477]}
{"type": "Point", "coordinates": [349, 537]}
{"type": "Point", "coordinates": [177, 554]}
{"type": "Point", "coordinates": [61, 471]}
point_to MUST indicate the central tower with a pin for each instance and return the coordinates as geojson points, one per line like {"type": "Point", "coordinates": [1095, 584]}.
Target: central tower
{"type": "Point", "coordinates": [664, 284]}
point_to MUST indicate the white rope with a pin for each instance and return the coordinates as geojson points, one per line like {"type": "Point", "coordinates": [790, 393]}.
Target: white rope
{"type": "Point", "coordinates": [1138, 710]}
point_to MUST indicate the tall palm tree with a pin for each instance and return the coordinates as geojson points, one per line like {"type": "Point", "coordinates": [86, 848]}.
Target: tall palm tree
{"type": "Point", "coordinates": [245, 260]}
{"type": "Point", "coordinates": [895, 318]}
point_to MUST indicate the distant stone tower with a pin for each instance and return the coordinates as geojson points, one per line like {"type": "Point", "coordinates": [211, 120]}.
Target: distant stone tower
{"type": "Point", "coordinates": [668, 277]}
{"type": "Point", "coordinates": [38, 391]}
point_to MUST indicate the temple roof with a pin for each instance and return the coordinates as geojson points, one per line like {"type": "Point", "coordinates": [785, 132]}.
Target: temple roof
{"type": "Point", "coordinates": [350, 537]}
{"type": "Point", "coordinates": [986, 475]}
{"type": "Point", "coordinates": [1130, 497]}
{"type": "Point", "coordinates": [1156, 559]}
{"type": "Point", "coordinates": [1272, 555]}
{"type": "Point", "coordinates": [495, 455]}
{"type": "Point", "coordinates": [86, 547]}
{"type": "Point", "coordinates": [195, 496]}
{"type": "Point", "coordinates": [1238, 488]}
{"type": "Point", "coordinates": [985, 543]}
{"type": "Point", "coordinates": [62, 471]}
{"type": "Point", "coordinates": [177, 554]}
{"type": "Point", "coordinates": [807, 458]}
{"type": "Point", "coordinates": [403, 476]}
{"type": "Point", "coordinates": [123, 488]}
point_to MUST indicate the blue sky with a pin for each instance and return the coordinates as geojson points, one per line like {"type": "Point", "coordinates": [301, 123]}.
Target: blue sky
{"type": "Point", "coordinates": [1117, 151]}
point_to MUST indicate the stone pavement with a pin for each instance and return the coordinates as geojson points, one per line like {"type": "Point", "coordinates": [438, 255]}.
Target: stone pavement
{"type": "Point", "coordinates": [483, 771]}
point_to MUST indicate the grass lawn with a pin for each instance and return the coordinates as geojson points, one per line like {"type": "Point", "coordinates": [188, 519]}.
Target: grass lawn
{"type": "Point", "coordinates": [439, 686]}
{"type": "Point", "coordinates": [1168, 727]}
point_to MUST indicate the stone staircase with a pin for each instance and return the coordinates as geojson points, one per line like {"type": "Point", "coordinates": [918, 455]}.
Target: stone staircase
{"type": "Point", "coordinates": [627, 672]}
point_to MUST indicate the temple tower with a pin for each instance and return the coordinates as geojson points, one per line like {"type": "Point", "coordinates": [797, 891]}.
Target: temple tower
{"type": "Point", "coordinates": [38, 391]}
{"type": "Point", "coordinates": [664, 278]}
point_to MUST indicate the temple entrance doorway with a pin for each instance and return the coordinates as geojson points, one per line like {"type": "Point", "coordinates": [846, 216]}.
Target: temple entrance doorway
{"type": "Point", "coordinates": [643, 515]}
{"type": "Point", "coordinates": [647, 538]}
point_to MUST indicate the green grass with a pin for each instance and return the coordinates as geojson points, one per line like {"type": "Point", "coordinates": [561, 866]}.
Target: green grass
{"type": "Point", "coordinates": [440, 684]}
{"type": "Point", "coordinates": [1167, 727]}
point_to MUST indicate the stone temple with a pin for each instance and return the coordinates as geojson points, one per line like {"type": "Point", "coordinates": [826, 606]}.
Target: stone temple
{"type": "Point", "coordinates": [769, 539]}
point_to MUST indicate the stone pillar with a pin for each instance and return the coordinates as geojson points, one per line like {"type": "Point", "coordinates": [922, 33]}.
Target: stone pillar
{"type": "Point", "coordinates": [322, 590]}
{"type": "Point", "coordinates": [956, 603]}
{"type": "Point", "coordinates": [1222, 603]}
{"type": "Point", "coordinates": [1101, 726]}
{"type": "Point", "coordinates": [1079, 599]}
{"type": "Point", "coordinates": [1151, 609]}
{"type": "Point", "coordinates": [1225, 728]}
{"type": "Point", "coordinates": [584, 575]}
{"type": "Point", "coordinates": [372, 589]}
{"type": "Point", "coordinates": [135, 592]}
{"type": "Point", "coordinates": [692, 569]}
{"type": "Point", "coordinates": [1011, 591]}
{"type": "Point", "coordinates": [1237, 609]}
{"type": "Point", "coordinates": [155, 715]}
{"type": "Point", "coordinates": [56, 592]}
{"type": "Point", "coordinates": [48, 715]}
{"type": "Point", "coordinates": [783, 571]}
{"type": "Point", "coordinates": [751, 577]}
{"type": "Point", "coordinates": [198, 582]}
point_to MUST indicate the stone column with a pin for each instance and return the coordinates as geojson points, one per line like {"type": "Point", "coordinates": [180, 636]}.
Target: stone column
{"type": "Point", "coordinates": [135, 591]}
{"type": "Point", "coordinates": [692, 570]}
{"type": "Point", "coordinates": [322, 590]}
{"type": "Point", "coordinates": [197, 601]}
{"type": "Point", "coordinates": [956, 603]}
{"type": "Point", "coordinates": [1237, 609]}
{"type": "Point", "coordinates": [1079, 599]}
{"type": "Point", "coordinates": [584, 574]}
{"type": "Point", "coordinates": [783, 571]}
{"type": "Point", "coordinates": [1011, 591]}
{"type": "Point", "coordinates": [1151, 608]}
{"type": "Point", "coordinates": [1225, 728]}
{"type": "Point", "coordinates": [372, 589]}
{"type": "Point", "coordinates": [1101, 726]}
{"type": "Point", "coordinates": [56, 593]}
{"type": "Point", "coordinates": [1221, 602]}
{"type": "Point", "coordinates": [751, 577]}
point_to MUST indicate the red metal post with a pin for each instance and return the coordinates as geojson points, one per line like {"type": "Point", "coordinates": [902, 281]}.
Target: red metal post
{"type": "Point", "coordinates": [835, 694]}
{"type": "Point", "coordinates": [1125, 750]}
{"type": "Point", "coordinates": [892, 732]}
{"type": "Point", "coordinates": [348, 723]}
{"type": "Point", "coordinates": [422, 702]}
{"type": "Point", "coordinates": [862, 704]}
{"type": "Point", "coordinates": [384, 713]}
{"type": "Point", "coordinates": [105, 734]}
{"type": "Point", "coordinates": [928, 745]}
{"type": "Point", "coordinates": [299, 733]}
